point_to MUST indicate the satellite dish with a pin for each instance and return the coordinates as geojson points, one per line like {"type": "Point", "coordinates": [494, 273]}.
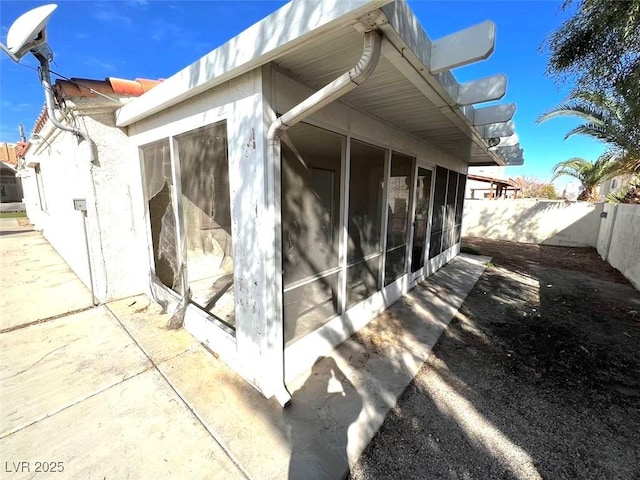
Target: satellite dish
{"type": "Point", "coordinates": [28, 32]}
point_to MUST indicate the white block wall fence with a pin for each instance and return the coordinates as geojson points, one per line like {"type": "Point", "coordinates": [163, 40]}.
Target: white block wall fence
{"type": "Point", "coordinates": [613, 229]}
{"type": "Point", "coordinates": [619, 240]}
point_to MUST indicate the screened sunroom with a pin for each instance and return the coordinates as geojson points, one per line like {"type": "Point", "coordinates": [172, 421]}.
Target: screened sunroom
{"type": "Point", "coordinates": [297, 186]}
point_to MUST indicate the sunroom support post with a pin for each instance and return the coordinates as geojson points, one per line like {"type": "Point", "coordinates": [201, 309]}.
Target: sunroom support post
{"type": "Point", "coordinates": [329, 93]}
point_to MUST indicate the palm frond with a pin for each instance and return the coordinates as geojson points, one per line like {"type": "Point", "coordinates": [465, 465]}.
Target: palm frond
{"type": "Point", "coordinates": [594, 130]}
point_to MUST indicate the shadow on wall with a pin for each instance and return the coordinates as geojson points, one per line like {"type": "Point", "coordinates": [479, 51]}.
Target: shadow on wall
{"type": "Point", "coordinates": [561, 223]}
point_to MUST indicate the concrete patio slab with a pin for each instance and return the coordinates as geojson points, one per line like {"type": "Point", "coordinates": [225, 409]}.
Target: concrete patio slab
{"type": "Point", "coordinates": [339, 404]}
{"type": "Point", "coordinates": [54, 365]}
{"type": "Point", "coordinates": [36, 283]}
{"type": "Point", "coordinates": [144, 320]}
{"type": "Point", "coordinates": [137, 429]}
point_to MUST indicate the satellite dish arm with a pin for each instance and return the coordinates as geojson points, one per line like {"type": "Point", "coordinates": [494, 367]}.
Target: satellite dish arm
{"type": "Point", "coordinates": [4, 48]}
{"type": "Point", "coordinates": [45, 80]}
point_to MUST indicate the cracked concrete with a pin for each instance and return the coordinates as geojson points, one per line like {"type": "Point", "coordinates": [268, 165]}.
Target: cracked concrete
{"type": "Point", "coordinates": [77, 390]}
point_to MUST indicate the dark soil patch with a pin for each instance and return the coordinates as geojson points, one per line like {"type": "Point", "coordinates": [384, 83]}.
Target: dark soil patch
{"type": "Point", "coordinates": [538, 376]}
{"type": "Point", "coordinates": [524, 257]}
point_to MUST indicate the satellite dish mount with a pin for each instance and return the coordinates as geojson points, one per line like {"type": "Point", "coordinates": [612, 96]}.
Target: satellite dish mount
{"type": "Point", "coordinates": [29, 34]}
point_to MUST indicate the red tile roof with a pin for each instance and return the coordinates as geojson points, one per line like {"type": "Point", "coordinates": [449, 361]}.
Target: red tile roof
{"type": "Point", "coordinates": [8, 153]}
{"type": "Point", "coordinates": [21, 149]}
{"type": "Point", "coordinates": [85, 87]}
{"type": "Point", "coordinates": [41, 121]}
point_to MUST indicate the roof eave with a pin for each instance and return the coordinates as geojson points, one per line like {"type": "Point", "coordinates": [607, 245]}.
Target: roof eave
{"type": "Point", "coordinates": [416, 48]}
{"type": "Point", "coordinates": [250, 49]}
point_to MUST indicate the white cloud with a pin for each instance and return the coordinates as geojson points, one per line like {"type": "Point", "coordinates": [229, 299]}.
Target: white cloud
{"type": "Point", "coordinates": [101, 64]}
{"type": "Point", "coordinates": [166, 31]}
{"type": "Point", "coordinates": [105, 12]}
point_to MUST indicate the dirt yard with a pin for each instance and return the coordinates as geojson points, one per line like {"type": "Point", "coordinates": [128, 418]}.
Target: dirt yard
{"type": "Point", "coordinates": [538, 376]}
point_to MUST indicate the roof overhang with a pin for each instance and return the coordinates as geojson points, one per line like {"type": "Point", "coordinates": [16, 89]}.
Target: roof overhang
{"type": "Point", "coordinates": [8, 166]}
{"type": "Point", "coordinates": [505, 182]}
{"type": "Point", "coordinates": [411, 89]}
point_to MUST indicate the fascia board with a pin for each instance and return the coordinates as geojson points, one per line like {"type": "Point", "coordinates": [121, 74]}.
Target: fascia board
{"type": "Point", "coordinates": [482, 90]}
{"type": "Point", "coordinates": [284, 30]}
{"type": "Point", "coordinates": [501, 129]}
{"type": "Point", "coordinates": [405, 33]}
{"type": "Point", "coordinates": [463, 47]}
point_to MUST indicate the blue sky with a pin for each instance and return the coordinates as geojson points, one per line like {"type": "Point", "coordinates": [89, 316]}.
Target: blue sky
{"type": "Point", "coordinates": [154, 39]}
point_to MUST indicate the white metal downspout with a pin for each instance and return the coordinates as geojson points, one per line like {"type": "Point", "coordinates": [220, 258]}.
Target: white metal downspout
{"type": "Point", "coordinates": [329, 93]}
{"type": "Point", "coordinates": [334, 90]}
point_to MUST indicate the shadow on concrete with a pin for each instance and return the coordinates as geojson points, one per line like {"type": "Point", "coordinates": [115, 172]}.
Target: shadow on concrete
{"type": "Point", "coordinates": [5, 233]}
{"type": "Point", "coordinates": [340, 407]}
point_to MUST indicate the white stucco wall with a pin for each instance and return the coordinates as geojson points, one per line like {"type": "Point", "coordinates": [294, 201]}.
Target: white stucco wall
{"type": "Point", "coordinates": [116, 228]}
{"type": "Point", "coordinates": [65, 176]}
{"type": "Point", "coordinates": [616, 236]}
{"type": "Point", "coordinates": [619, 240]}
{"type": "Point", "coordinates": [107, 186]}
{"type": "Point", "coordinates": [531, 221]}
{"type": "Point", "coordinates": [606, 229]}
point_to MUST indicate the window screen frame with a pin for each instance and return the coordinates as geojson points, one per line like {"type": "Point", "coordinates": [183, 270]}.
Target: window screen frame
{"type": "Point", "coordinates": [329, 272]}
{"type": "Point", "coordinates": [176, 205]}
{"type": "Point", "coordinates": [411, 204]}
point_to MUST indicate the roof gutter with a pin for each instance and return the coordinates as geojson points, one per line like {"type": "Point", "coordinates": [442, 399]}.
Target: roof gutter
{"type": "Point", "coordinates": [329, 93]}
{"type": "Point", "coordinates": [334, 90]}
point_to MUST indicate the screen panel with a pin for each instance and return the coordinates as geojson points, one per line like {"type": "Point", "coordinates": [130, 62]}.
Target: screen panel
{"type": "Point", "coordinates": [398, 223]}
{"type": "Point", "coordinates": [159, 194]}
{"type": "Point", "coordinates": [311, 197]}
{"type": "Point", "coordinates": [364, 244]}
{"type": "Point", "coordinates": [206, 213]}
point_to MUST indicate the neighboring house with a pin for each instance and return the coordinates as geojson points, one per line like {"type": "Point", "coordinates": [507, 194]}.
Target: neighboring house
{"type": "Point", "coordinates": [490, 183]}
{"type": "Point", "coordinates": [275, 215]}
{"type": "Point", "coordinates": [8, 154]}
{"type": "Point", "coordinates": [614, 185]}
{"type": "Point", "coordinates": [10, 184]}
{"type": "Point", "coordinates": [485, 188]}
{"type": "Point", "coordinates": [570, 190]}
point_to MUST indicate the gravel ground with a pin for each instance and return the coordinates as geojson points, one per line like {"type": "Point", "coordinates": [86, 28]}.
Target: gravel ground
{"type": "Point", "coordinates": [538, 376]}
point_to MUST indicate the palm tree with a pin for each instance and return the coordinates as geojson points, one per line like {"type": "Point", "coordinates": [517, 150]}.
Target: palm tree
{"type": "Point", "coordinates": [612, 119]}
{"type": "Point", "coordinates": [590, 174]}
